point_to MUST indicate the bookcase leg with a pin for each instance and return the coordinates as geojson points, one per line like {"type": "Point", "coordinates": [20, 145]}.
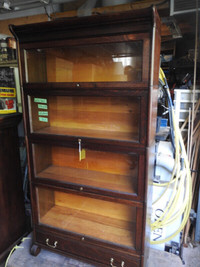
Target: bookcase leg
{"type": "Point", "coordinates": [35, 250]}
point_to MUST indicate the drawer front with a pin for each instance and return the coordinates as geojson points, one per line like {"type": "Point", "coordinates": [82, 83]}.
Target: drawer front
{"type": "Point", "coordinates": [80, 248]}
{"type": "Point", "coordinates": [102, 172]}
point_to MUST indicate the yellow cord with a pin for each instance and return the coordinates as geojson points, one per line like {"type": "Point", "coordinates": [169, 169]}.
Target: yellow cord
{"type": "Point", "coordinates": [182, 185]}
{"type": "Point", "coordinates": [14, 248]}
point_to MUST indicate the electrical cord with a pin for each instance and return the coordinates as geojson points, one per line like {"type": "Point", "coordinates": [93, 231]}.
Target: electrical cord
{"type": "Point", "coordinates": [13, 249]}
{"type": "Point", "coordinates": [163, 82]}
{"type": "Point", "coordinates": [180, 183]}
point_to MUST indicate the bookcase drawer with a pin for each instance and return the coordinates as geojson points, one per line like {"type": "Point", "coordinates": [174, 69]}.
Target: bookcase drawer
{"type": "Point", "coordinates": [100, 256]}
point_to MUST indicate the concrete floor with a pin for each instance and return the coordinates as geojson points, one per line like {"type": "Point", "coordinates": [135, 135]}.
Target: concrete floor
{"type": "Point", "coordinates": [191, 257]}
{"type": "Point", "coordinates": [22, 258]}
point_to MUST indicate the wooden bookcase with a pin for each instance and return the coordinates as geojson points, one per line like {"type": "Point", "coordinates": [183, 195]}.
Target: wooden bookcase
{"type": "Point", "coordinates": [13, 222]}
{"type": "Point", "coordinates": [89, 89]}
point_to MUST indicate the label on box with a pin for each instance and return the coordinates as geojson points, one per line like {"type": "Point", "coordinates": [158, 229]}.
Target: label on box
{"type": "Point", "coordinates": [7, 100]}
{"type": "Point", "coordinates": [7, 92]}
{"type": "Point", "coordinates": [42, 106]}
{"type": "Point", "coordinates": [83, 153]}
{"type": "Point", "coordinates": [43, 119]}
{"type": "Point", "coordinates": [40, 100]}
{"type": "Point", "coordinates": [43, 113]}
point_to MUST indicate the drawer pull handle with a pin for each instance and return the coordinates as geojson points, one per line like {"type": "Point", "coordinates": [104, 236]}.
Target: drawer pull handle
{"type": "Point", "coordinates": [51, 246]}
{"type": "Point", "coordinates": [79, 149]}
{"type": "Point", "coordinates": [112, 262]}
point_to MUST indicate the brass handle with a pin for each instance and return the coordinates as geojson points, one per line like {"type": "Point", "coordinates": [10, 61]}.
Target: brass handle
{"type": "Point", "coordinates": [51, 246]}
{"type": "Point", "coordinates": [79, 149]}
{"type": "Point", "coordinates": [112, 261]}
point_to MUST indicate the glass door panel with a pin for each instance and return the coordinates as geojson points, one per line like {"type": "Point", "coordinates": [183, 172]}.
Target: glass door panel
{"type": "Point", "coordinates": [88, 168]}
{"type": "Point", "coordinates": [105, 220]}
{"type": "Point", "coordinates": [120, 61]}
{"type": "Point", "coordinates": [98, 117]}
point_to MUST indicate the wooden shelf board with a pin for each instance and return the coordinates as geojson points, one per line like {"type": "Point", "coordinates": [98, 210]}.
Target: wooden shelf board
{"type": "Point", "coordinates": [89, 224]}
{"type": "Point", "coordinates": [116, 135]}
{"type": "Point", "coordinates": [114, 182]}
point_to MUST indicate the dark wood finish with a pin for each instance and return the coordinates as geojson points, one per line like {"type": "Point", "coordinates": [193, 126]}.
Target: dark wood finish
{"type": "Point", "coordinates": [136, 21]}
{"type": "Point", "coordinates": [35, 250]}
{"type": "Point", "coordinates": [71, 196]}
{"type": "Point", "coordinates": [155, 63]}
{"type": "Point", "coordinates": [12, 211]}
{"type": "Point", "coordinates": [81, 248]}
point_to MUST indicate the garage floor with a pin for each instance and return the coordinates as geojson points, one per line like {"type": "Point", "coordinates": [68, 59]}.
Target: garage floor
{"type": "Point", "coordinates": [22, 258]}
{"type": "Point", "coordinates": [191, 257]}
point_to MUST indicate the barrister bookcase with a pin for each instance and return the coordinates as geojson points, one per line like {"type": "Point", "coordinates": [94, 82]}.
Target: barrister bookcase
{"type": "Point", "coordinates": [89, 89]}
